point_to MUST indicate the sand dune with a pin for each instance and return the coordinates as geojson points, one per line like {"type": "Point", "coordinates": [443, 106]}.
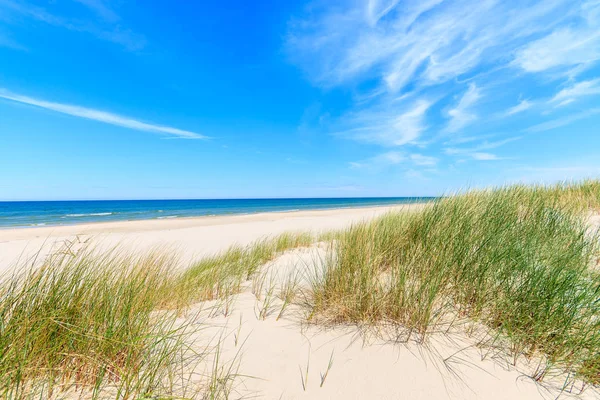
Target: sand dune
{"type": "Point", "coordinates": [290, 359]}
{"type": "Point", "coordinates": [286, 358]}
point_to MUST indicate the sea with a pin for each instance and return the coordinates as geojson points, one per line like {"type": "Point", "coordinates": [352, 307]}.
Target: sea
{"type": "Point", "coordinates": [14, 214]}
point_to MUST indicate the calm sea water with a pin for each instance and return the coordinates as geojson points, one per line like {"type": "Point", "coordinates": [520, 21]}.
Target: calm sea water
{"type": "Point", "coordinates": [41, 213]}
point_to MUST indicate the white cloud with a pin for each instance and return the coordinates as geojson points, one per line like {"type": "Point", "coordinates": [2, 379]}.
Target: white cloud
{"type": "Point", "coordinates": [109, 29]}
{"type": "Point", "coordinates": [479, 152]}
{"type": "Point", "coordinates": [387, 127]}
{"type": "Point", "coordinates": [480, 147]}
{"type": "Point", "coordinates": [563, 121]}
{"type": "Point", "coordinates": [100, 116]}
{"type": "Point", "coordinates": [563, 47]}
{"type": "Point", "coordinates": [392, 158]}
{"type": "Point", "coordinates": [425, 51]}
{"type": "Point", "coordinates": [421, 160]}
{"type": "Point", "coordinates": [580, 89]}
{"type": "Point", "coordinates": [524, 105]}
{"type": "Point", "coordinates": [430, 41]}
{"type": "Point", "coordinates": [485, 157]}
{"type": "Point", "coordinates": [381, 160]}
{"type": "Point", "coordinates": [100, 8]}
{"type": "Point", "coordinates": [461, 115]}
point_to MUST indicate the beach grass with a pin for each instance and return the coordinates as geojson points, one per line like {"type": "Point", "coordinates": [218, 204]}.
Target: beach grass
{"type": "Point", "coordinates": [519, 260]}
{"type": "Point", "coordinates": [220, 276]}
{"type": "Point", "coordinates": [91, 320]}
{"type": "Point", "coordinates": [88, 319]}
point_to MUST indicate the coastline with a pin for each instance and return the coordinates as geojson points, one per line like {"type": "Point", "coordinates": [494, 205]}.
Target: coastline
{"type": "Point", "coordinates": [192, 237]}
{"type": "Point", "coordinates": [132, 225]}
{"type": "Point", "coordinates": [32, 214]}
{"type": "Point", "coordinates": [294, 305]}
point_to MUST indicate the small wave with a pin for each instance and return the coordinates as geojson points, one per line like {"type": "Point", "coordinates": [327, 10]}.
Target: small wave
{"type": "Point", "coordinates": [277, 211]}
{"type": "Point", "coordinates": [88, 215]}
{"type": "Point", "coordinates": [168, 217]}
{"type": "Point", "coordinates": [160, 211]}
{"type": "Point", "coordinates": [40, 224]}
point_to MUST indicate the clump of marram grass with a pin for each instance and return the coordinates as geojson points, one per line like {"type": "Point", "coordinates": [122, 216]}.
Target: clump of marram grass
{"type": "Point", "coordinates": [221, 275]}
{"type": "Point", "coordinates": [515, 259]}
{"type": "Point", "coordinates": [576, 196]}
{"type": "Point", "coordinates": [105, 323]}
{"type": "Point", "coordinates": [86, 321]}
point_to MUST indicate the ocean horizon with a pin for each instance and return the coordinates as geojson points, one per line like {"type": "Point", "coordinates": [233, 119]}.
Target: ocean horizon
{"type": "Point", "coordinates": [21, 214]}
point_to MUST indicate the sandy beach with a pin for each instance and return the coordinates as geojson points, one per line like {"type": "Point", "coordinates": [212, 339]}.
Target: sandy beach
{"type": "Point", "coordinates": [299, 200]}
{"type": "Point", "coordinates": [191, 237]}
{"type": "Point", "coordinates": [286, 358]}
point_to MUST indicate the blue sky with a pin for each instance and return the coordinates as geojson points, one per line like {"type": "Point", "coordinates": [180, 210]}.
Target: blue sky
{"type": "Point", "coordinates": [114, 99]}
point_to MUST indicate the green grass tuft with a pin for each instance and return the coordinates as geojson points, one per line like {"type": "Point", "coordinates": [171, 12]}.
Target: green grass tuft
{"type": "Point", "coordinates": [94, 321]}
{"type": "Point", "coordinates": [87, 319]}
{"type": "Point", "coordinates": [519, 260]}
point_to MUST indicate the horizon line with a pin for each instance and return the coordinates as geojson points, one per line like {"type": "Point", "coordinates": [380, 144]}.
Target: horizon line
{"type": "Point", "coordinates": [222, 198]}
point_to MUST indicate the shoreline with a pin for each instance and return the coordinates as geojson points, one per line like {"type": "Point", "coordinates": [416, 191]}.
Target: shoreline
{"type": "Point", "coordinates": [192, 237]}
{"type": "Point", "coordinates": [117, 215]}
{"type": "Point", "coordinates": [180, 222]}
{"type": "Point", "coordinates": [278, 301]}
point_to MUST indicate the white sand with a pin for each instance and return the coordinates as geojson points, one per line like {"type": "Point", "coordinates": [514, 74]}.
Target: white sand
{"type": "Point", "coordinates": [192, 237]}
{"type": "Point", "coordinates": [275, 354]}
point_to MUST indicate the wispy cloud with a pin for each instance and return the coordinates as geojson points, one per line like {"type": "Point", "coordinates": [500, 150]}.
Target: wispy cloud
{"type": "Point", "coordinates": [381, 160]}
{"type": "Point", "coordinates": [481, 151]}
{"type": "Point", "coordinates": [100, 8]}
{"type": "Point", "coordinates": [100, 116]}
{"type": "Point", "coordinates": [386, 126]}
{"type": "Point", "coordinates": [563, 121]}
{"type": "Point", "coordinates": [424, 161]}
{"type": "Point", "coordinates": [485, 145]}
{"type": "Point", "coordinates": [391, 158]}
{"type": "Point", "coordinates": [485, 157]}
{"type": "Point", "coordinates": [562, 48]}
{"type": "Point", "coordinates": [524, 105]}
{"type": "Point", "coordinates": [461, 115]}
{"type": "Point", "coordinates": [405, 62]}
{"type": "Point", "coordinates": [574, 92]}
{"type": "Point", "coordinates": [109, 29]}
{"type": "Point", "coordinates": [430, 41]}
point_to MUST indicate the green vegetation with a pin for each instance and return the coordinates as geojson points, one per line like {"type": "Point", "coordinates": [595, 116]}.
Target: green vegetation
{"type": "Point", "coordinates": [220, 276]}
{"type": "Point", "coordinates": [517, 260]}
{"type": "Point", "coordinates": [99, 322]}
{"type": "Point", "coordinates": [87, 319]}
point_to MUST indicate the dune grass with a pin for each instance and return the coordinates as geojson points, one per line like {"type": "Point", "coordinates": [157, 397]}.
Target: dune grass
{"type": "Point", "coordinates": [86, 319]}
{"type": "Point", "coordinates": [574, 196]}
{"type": "Point", "coordinates": [221, 275]}
{"type": "Point", "coordinates": [106, 323]}
{"type": "Point", "coordinates": [519, 260]}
